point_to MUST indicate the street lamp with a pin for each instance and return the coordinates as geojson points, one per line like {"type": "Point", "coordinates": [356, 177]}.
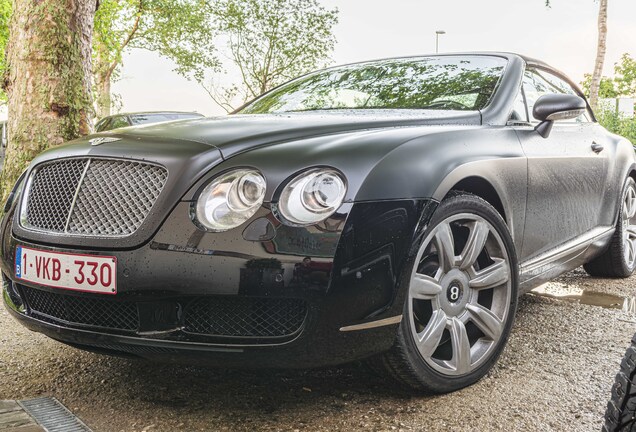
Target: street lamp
{"type": "Point", "coordinates": [437, 33]}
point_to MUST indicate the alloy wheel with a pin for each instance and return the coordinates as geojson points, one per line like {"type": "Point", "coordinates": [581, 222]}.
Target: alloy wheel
{"type": "Point", "coordinates": [629, 225]}
{"type": "Point", "coordinates": [460, 294]}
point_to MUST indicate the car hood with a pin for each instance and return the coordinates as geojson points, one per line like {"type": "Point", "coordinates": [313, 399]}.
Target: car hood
{"type": "Point", "coordinates": [194, 151]}
{"type": "Point", "coordinates": [237, 133]}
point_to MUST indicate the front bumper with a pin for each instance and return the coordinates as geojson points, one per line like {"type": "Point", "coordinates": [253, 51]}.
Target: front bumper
{"type": "Point", "coordinates": [219, 299]}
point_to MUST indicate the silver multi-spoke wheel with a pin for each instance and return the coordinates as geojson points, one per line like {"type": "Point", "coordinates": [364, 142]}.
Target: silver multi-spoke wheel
{"type": "Point", "coordinates": [618, 259]}
{"type": "Point", "coordinates": [629, 225]}
{"type": "Point", "coordinates": [460, 293]}
{"type": "Point", "coordinates": [459, 296]}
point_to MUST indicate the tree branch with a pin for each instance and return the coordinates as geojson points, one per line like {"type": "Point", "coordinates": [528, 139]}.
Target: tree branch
{"type": "Point", "coordinates": [237, 59]}
{"type": "Point", "coordinates": [129, 38]}
{"type": "Point", "coordinates": [213, 95]}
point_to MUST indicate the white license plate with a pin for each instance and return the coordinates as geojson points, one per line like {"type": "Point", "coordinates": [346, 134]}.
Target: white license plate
{"type": "Point", "coordinates": [90, 273]}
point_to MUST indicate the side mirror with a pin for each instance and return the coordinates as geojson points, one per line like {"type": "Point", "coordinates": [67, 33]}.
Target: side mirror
{"type": "Point", "coordinates": [552, 107]}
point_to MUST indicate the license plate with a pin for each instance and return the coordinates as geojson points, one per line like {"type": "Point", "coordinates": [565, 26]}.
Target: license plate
{"type": "Point", "coordinates": [89, 273]}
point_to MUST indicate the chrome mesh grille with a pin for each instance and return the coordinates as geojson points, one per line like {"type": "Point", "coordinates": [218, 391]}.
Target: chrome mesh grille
{"type": "Point", "coordinates": [115, 198]}
{"type": "Point", "coordinates": [51, 194]}
{"type": "Point", "coordinates": [92, 197]}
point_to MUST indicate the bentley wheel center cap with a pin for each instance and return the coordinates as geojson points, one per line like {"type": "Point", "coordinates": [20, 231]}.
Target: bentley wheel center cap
{"type": "Point", "coordinates": [454, 292]}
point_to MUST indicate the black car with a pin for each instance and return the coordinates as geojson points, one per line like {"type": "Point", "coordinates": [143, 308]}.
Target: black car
{"type": "Point", "coordinates": [391, 210]}
{"type": "Point", "coordinates": [141, 118]}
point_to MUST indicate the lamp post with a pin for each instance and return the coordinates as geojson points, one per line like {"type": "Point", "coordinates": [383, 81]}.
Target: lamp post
{"type": "Point", "coordinates": [437, 33]}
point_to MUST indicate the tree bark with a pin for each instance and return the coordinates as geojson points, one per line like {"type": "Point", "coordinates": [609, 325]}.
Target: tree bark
{"type": "Point", "coordinates": [600, 54]}
{"type": "Point", "coordinates": [103, 96]}
{"type": "Point", "coordinates": [102, 77]}
{"type": "Point", "coordinates": [48, 79]}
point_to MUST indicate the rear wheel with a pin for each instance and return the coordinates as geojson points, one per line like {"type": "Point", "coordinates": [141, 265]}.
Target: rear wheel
{"type": "Point", "coordinates": [462, 296]}
{"type": "Point", "coordinates": [619, 260]}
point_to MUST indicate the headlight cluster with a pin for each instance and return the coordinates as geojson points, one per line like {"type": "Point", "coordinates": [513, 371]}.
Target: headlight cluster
{"type": "Point", "coordinates": [230, 199]}
{"type": "Point", "coordinates": [312, 196]}
{"type": "Point", "coordinates": [234, 197]}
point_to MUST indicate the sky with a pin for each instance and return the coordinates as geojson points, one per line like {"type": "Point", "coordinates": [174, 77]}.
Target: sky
{"type": "Point", "coordinates": [564, 36]}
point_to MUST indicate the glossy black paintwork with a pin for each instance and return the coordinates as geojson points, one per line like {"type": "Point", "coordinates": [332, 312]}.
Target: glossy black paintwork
{"type": "Point", "coordinates": [558, 197]}
{"type": "Point", "coordinates": [185, 160]}
{"type": "Point", "coordinates": [356, 282]}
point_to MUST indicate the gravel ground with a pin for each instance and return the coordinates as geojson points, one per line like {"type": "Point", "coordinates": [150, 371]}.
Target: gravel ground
{"type": "Point", "coordinates": [555, 374]}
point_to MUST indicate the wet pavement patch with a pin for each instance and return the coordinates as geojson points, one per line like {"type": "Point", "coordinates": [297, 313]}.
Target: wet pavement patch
{"type": "Point", "coordinates": [561, 291]}
{"type": "Point", "coordinates": [38, 415]}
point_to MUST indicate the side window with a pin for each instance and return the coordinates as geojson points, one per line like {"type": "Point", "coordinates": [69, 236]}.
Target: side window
{"type": "Point", "coordinates": [519, 112]}
{"type": "Point", "coordinates": [146, 119]}
{"type": "Point", "coordinates": [101, 125]}
{"type": "Point", "coordinates": [536, 83]}
{"type": "Point", "coordinates": [118, 122]}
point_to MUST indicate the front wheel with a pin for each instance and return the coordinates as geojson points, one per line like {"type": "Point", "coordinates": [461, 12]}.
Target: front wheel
{"type": "Point", "coordinates": [461, 302]}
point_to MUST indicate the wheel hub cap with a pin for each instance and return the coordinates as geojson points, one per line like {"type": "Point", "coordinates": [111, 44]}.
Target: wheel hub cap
{"type": "Point", "coordinates": [455, 285]}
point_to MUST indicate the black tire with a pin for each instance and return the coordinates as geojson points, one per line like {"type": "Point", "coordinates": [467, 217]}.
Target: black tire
{"type": "Point", "coordinates": [621, 409]}
{"type": "Point", "coordinates": [404, 362]}
{"type": "Point", "coordinates": [613, 262]}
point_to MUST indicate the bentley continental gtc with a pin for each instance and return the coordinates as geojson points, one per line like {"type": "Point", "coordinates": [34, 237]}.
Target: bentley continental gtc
{"type": "Point", "coordinates": [390, 211]}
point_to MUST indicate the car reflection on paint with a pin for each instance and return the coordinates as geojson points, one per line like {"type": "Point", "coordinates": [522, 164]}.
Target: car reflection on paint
{"type": "Point", "coordinates": [122, 120]}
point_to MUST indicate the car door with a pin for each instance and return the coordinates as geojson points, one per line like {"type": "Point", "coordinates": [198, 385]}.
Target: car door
{"type": "Point", "coordinates": [566, 171]}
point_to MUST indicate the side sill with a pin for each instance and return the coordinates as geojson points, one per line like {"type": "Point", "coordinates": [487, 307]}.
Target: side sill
{"type": "Point", "coordinates": [561, 259]}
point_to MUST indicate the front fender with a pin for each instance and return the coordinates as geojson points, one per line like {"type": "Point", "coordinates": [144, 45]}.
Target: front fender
{"type": "Point", "coordinates": [430, 166]}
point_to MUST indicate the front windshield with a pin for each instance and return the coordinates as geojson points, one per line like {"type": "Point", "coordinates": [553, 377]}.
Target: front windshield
{"type": "Point", "coordinates": [439, 83]}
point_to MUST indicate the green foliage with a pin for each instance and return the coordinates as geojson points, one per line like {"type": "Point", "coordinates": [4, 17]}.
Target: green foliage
{"type": "Point", "coordinates": [607, 88]}
{"type": "Point", "coordinates": [626, 76]}
{"type": "Point", "coordinates": [622, 85]}
{"type": "Point", "coordinates": [272, 41]}
{"type": "Point", "coordinates": [109, 31]}
{"type": "Point", "coordinates": [5, 16]}
{"type": "Point", "coordinates": [181, 30]}
{"type": "Point", "coordinates": [614, 122]}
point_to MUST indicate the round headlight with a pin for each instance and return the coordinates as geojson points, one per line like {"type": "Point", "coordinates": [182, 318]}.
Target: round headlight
{"type": "Point", "coordinates": [230, 199]}
{"type": "Point", "coordinates": [312, 196]}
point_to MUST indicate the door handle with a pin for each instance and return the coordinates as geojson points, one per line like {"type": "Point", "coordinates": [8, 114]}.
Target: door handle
{"type": "Point", "coordinates": [597, 148]}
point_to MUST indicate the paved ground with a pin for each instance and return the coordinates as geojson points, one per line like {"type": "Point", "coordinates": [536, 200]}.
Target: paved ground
{"type": "Point", "coordinates": [555, 374]}
{"type": "Point", "coordinates": [14, 419]}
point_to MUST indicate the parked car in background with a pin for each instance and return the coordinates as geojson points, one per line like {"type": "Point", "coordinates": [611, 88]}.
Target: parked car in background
{"type": "Point", "coordinates": [133, 119]}
{"type": "Point", "coordinates": [391, 211]}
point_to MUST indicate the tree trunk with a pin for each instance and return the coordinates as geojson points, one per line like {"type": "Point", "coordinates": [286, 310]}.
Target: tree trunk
{"type": "Point", "coordinates": [102, 75]}
{"type": "Point", "coordinates": [104, 99]}
{"type": "Point", "coordinates": [48, 79]}
{"type": "Point", "coordinates": [600, 54]}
